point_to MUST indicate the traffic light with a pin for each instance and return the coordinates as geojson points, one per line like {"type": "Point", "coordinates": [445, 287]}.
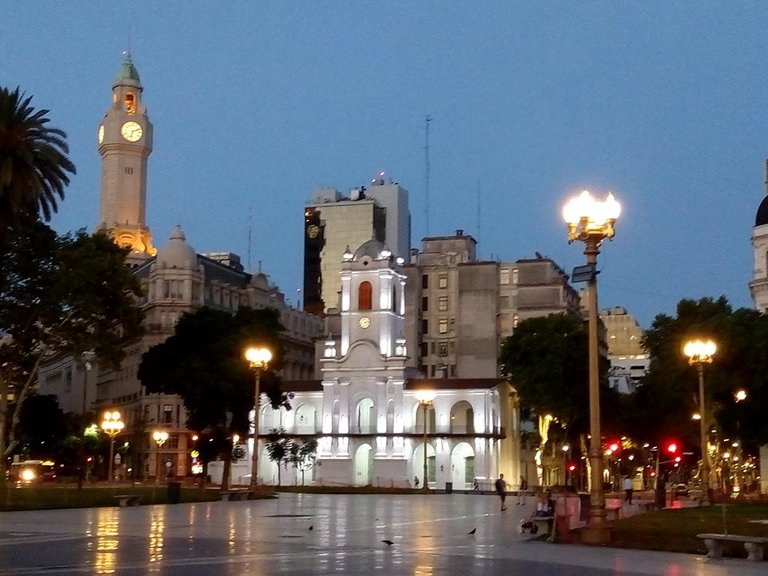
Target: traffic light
{"type": "Point", "coordinates": [672, 448]}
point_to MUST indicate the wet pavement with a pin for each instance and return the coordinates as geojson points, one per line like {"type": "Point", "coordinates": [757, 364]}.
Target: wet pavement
{"type": "Point", "coordinates": [318, 534]}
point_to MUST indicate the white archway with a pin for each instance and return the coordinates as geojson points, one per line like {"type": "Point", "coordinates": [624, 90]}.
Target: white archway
{"type": "Point", "coordinates": [365, 417]}
{"type": "Point", "coordinates": [305, 419]}
{"type": "Point", "coordinates": [417, 464]}
{"type": "Point", "coordinates": [363, 466]}
{"type": "Point", "coordinates": [462, 466]}
{"type": "Point", "coordinates": [462, 418]}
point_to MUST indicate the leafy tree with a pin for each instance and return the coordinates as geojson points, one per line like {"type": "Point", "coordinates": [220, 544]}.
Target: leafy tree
{"type": "Point", "coordinates": [42, 427]}
{"type": "Point", "coordinates": [34, 167]}
{"type": "Point", "coordinates": [279, 448]}
{"type": "Point", "coordinates": [668, 394]}
{"type": "Point", "coordinates": [60, 295]}
{"type": "Point", "coordinates": [546, 360]}
{"type": "Point", "coordinates": [304, 456]}
{"type": "Point", "coordinates": [203, 363]}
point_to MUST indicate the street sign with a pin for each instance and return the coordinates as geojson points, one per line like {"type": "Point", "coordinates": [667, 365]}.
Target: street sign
{"type": "Point", "coordinates": [583, 273]}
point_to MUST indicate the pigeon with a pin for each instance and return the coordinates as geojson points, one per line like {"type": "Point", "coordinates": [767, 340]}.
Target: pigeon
{"type": "Point", "coordinates": [311, 527]}
{"type": "Point", "coordinates": [388, 542]}
{"type": "Point", "coordinates": [472, 532]}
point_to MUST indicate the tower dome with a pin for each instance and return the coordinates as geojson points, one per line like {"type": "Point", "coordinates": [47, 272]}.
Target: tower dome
{"type": "Point", "coordinates": [177, 253]}
{"type": "Point", "coordinates": [762, 213]}
{"type": "Point", "coordinates": [127, 74]}
{"type": "Point", "coordinates": [373, 248]}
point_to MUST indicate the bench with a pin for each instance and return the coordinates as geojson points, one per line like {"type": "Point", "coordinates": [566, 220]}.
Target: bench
{"type": "Point", "coordinates": [543, 523]}
{"type": "Point", "coordinates": [127, 500]}
{"type": "Point", "coordinates": [754, 545]}
{"type": "Point", "coordinates": [227, 495]}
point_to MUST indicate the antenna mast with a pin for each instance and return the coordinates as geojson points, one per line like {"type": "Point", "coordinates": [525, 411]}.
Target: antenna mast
{"type": "Point", "coordinates": [249, 238]}
{"type": "Point", "coordinates": [427, 120]}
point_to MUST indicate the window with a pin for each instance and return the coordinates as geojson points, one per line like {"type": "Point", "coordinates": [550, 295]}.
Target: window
{"type": "Point", "coordinates": [442, 349]}
{"type": "Point", "coordinates": [424, 348]}
{"type": "Point", "coordinates": [504, 276]}
{"type": "Point", "coordinates": [128, 170]}
{"type": "Point", "coordinates": [515, 320]}
{"type": "Point", "coordinates": [514, 276]}
{"type": "Point", "coordinates": [365, 296]}
{"type": "Point", "coordinates": [424, 281]}
{"type": "Point", "coordinates": [167, 413]}
{"type": "Point", "coordinates": [425, 326]}
{"type": "Point", "coordinates": [130, 103]}
{"type": "Point", "coordinates": [504, 301]}
{"type": "Point", "coordinates": [425, 303]}
{"type": "Point", "coordinates": [442, 281]}
{"type": "Point", "coordinates": [442, 304]}
{"type": "Point", "coordinates": [442, 326]}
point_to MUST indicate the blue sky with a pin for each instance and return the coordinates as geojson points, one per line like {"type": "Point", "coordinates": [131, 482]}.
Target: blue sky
{"type": "Point", "coordinates": [256, 104]}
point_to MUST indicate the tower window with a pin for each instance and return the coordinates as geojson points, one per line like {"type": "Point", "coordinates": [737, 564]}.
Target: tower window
{"type": "Point", "coordinates": [442, 281]}
{"type": "Point", "coordinates": [425, 281]}
{"type": "Point", "coordinates": [130, 103]}
{"type": "Point", "coordinates": [442, 304]}
{"type": "Point", "coordinates": [425, 303]}
{"type": "Point", "coordinates": [365, 296]}
{"type": "Point", "coordinates": [128, 170]}
{"type": "Point", "coordinates": [442, 326]}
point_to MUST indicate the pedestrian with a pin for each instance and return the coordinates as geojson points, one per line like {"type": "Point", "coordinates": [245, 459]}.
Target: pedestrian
{"type": "Point", "coordinates": [416, 482]}
{"type": "Point", "coordinates": [501, 490]}
{"type": "Point", "coordinates": [521, 491]}
{"type": "Point", "coordinates": [628, 489]}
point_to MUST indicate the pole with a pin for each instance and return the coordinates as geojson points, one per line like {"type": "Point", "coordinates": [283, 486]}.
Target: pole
{"type": "Point", "coordinates": [157, 466]}
{"type": "Point", "coordinates": [255, 453]}
{"type": "Point", "coordinates": [596, 530]}
{"type": "Point", "coordinates": [707, 491]}
{"type": "Point", "coordinates": [111, 456]}
{"type": "Point", "coordinates": [425, 487]}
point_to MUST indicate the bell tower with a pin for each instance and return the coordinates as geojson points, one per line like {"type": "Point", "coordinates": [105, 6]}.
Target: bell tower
{"type": "Point", "coordinates": [125, 143]}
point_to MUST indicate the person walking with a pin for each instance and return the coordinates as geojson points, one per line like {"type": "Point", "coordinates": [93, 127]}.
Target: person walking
{"type": "Point", "coordinates": [521, 491]}
{"type": "Point", "coordinates": [628, 489]}
{"type": "Point", "coordinates": [501, 490]}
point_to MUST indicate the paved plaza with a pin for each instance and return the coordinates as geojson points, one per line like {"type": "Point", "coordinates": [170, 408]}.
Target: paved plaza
{"type": "Point", "coordinates": [318, 534]}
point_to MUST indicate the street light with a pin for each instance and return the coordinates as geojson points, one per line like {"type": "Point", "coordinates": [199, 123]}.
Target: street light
{"type": "Point", "coordinates": [259, 360]}
{"type": "Point", "coordinates": [699, 353]}
{"type": "Point", "coordinates": [112, 426]}
{"type": "Point", "coordinates": [425, 398]}
{"type": "Point", "coordinates": [591, 221]}
{"type": "Point", "coordinates": [160, 437]}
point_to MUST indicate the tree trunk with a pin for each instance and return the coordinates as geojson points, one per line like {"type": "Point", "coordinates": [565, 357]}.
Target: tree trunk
{"type": "Point", "coordinates": [3, 420]}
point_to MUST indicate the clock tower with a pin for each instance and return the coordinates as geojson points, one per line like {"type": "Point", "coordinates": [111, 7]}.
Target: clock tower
{"type": "Point", "coordinates": [125, 143]}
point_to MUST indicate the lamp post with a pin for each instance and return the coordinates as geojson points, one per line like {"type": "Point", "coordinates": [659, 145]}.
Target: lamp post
{"type": "Point", "coordinates": [591, 221]}
{"type": "Point", "coordinates": [160, 437]}
{"type": "Point", "coordinates": [425, 398]}
{"type": "Point", "coordinates": [699, 353]}
{"type": "Point", "coordinates": [112, 425]}
{"type": "Point", "coordinates": [259, 358]}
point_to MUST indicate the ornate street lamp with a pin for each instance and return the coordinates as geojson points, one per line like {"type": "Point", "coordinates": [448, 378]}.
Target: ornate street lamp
{"type": "Point", "coordinates": [699, 353]}
{"type": "Point", "coordinates": [591, 221]}
{"type": "Point", "coordinates": [259, 359]}
{"type": "Point", "coordinates": [425, 398]}
{"type": "Point", "coordinates": [160, 437]}
{"type": "Point", "coordinates": [112, 425]}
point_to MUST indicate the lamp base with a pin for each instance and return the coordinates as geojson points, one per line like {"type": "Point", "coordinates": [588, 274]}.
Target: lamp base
{"type": "Point", "coordinates": [595, 535]}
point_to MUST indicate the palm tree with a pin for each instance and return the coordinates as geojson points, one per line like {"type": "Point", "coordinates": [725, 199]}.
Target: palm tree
{"type": "Point", "coordinates": [34, 165]}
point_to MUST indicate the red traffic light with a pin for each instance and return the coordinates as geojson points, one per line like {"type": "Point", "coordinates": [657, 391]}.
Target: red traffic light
{"type": "Point", "coordinates": [614, 446]}
{"type": "Point", "coordinates": [672, 447]}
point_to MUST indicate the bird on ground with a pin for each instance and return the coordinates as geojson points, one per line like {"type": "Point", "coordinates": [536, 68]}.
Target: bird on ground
{"type": "Point", "coordinates": [472, 532]}
{"type": "Point", "coordinates": [388, 542]}
{"type": "Point", "coordinates": [311, 527]}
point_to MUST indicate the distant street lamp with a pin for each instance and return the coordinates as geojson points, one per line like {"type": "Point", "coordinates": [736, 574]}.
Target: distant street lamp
{"type": "Point", "coordinates": [699, 353]}
{"type": "Point", "coordinates": [591, 221]}
{"type": "Point", "coordinates": [425, 398]}
{"type": "Point", "coordinates": [112, 426]}
{"type": "Point", "coordinates": [259, 360]}
{"type": "Point", "coordinates": [160, 437]}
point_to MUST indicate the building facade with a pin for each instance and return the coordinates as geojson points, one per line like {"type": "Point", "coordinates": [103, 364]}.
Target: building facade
{"type": "Point", "coordinates": [629, 360]}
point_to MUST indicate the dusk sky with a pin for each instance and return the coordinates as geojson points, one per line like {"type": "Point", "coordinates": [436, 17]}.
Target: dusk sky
{"type": "Point", "coordinates": [257, 104]}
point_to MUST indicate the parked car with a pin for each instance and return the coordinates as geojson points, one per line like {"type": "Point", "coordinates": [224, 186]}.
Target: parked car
{"type": "Point", "coordinates": [680, 490]}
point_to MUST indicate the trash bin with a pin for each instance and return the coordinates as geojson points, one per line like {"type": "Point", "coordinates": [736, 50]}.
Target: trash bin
{"type": "Point", "coordinates": [448, 487]}
{"type": "Point", "coordinates": [174, 492]}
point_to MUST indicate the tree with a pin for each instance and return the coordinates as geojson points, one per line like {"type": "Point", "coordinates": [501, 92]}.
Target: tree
{"type": "Point", "coordinates": [668, 394]}
{"type": "Point", "coordinates": [42, 427]}
{"type": "Point", "coordinates": [60, 295]}
{"type": "Point", "coordinates": [34, 167]}
{"type": "Point", "coordinates": [304, 456]}
{"type": "Point", "coordinates": [203, 363]}
{"type": "Point", "coordinates": [279, 448]}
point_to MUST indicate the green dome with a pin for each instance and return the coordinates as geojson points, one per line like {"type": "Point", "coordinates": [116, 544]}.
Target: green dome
{"type": "Point", "coordinates": [127, 72]}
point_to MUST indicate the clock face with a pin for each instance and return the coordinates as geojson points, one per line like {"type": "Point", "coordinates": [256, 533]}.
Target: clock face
{"type": "Point", "coordinates": [313, 230]}
{"type": "Point", "coordinates": [365, 322]}
{"type": "Point", "coordinates": [101, 133]}
{"type": "Point", "coordinates": [132, 131]}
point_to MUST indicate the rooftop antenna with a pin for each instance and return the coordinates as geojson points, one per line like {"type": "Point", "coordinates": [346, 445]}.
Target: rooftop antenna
{"type": "Point", "coordinates": [249, 238]}
{"type": "Point", "coordinates": [427, 120]}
